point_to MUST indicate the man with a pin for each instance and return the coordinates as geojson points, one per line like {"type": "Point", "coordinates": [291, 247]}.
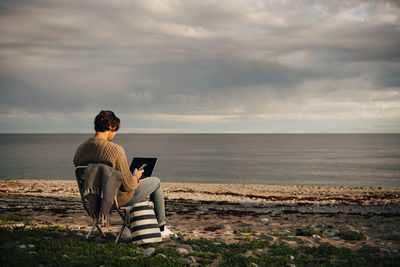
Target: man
{"type": "Point", "coordinates": [100, 149]}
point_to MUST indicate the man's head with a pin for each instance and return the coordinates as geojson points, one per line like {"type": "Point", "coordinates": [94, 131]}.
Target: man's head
{"type": "Point", "coordinates": [106, 121]}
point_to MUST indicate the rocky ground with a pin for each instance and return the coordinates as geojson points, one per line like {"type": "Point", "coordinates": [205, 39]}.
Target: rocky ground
{"type": "Point", "coordinates": [227, 212]}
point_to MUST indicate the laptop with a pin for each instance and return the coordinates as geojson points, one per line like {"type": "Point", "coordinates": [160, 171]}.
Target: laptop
{"type": "Point", "coordinates": [148, 165]}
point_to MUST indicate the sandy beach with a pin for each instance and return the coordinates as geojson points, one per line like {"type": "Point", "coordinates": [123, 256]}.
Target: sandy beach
{"type": "Point", "coordinates": [222, 211]}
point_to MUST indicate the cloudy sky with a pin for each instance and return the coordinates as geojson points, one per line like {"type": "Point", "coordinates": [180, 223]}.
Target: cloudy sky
{"type": "Point", "coordinates": [200, 66]}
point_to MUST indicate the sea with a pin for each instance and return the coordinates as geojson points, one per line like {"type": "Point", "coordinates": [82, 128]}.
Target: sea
{"type": "Point", "coordinates": [277, 159]}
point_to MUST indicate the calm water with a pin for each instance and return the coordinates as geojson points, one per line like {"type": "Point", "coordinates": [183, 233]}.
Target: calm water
{"type": "Point", "coordinates": [311, 159]}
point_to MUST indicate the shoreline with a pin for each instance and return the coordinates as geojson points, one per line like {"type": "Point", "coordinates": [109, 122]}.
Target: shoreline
{"type": "Point", "coordinates": [221, 211]}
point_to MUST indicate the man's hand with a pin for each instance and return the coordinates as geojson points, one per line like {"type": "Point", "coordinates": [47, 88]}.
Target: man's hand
{"type": "Point", "coordinates": [137, 173]}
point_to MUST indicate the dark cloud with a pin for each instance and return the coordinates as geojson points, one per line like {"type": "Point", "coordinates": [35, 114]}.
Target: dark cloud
{"type": "Point", "coordinates": [257, 59]}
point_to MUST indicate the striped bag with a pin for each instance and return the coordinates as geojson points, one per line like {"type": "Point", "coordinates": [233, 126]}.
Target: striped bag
{"type": "Point", "coordinates": [143, 223]}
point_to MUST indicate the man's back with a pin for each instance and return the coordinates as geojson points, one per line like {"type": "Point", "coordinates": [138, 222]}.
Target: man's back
{"type": "Point", "coordinates": [99, 150]}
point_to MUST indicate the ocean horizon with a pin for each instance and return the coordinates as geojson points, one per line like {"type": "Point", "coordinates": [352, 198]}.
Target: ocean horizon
{"type": "Point", "coordinates": [344, 159]}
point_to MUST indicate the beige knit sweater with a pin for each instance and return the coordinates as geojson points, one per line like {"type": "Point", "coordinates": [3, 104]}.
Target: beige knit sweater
{"type": "Point", "coordinates": [99, 150]}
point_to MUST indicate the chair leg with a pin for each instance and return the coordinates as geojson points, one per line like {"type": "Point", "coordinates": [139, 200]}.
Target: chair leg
{"type": "Point", "coordinates": [101, 232]}
{"type": "Point", "coordinates": [119, 234]}
{"type": "Point", "coordinates": [91, 230]}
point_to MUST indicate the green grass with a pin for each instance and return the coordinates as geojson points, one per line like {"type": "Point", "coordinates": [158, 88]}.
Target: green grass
{"type": "Point", "coordinates": [13, 219]}
{"type": "Point", "coordinates": [59, 246]}
{"type": "Point", "coordinates": [349, 235]}
{"type": "Point", "coordinates": [281, 234]}
{"type": "Point", "coordinates": [307, 232]}
{"type": "Point", "coordinates": [247, 230]}
{"type": "Point", "coordinates": [394, 238]}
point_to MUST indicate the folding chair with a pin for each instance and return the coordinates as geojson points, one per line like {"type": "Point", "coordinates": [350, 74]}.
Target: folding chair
{"type": "Point", "coordinates": [122, 211]}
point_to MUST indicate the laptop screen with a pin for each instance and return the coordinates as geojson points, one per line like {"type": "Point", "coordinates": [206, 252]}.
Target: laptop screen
{"type": "Point", "coordinates": [148, 169]}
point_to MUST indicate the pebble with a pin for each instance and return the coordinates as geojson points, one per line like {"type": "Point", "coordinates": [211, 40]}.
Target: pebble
{"type": "Point", "coordinates": [182, 251]}
{"type": "Point", "coordinates": [22, 246]}
{"type": "Point", "coordinates": [65, 256]}
{"type": "Point", "coordinates": [148, 252]}
{"type": "Point", "coordinates": [385, 250]}
{"type": "Point", "coordinates": [291, 265]}
{"type": "Point", "coordinates": [291, 257]}
{"type": "Point", "coordinates": [192, 259]}
{"type": "Point", "coordinates": [264, 220]}
{"type": "Point", "coordinates": [31, 246]}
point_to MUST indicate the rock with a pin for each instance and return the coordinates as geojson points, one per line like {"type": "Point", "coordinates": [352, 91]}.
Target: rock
{"type": "Point", "coordinates": [128, 258]}
{"type": "Point", "coordinates": [291, 265]}
{"type": "Point", "coordinates": [286, 242]}
{"type": "Point", "coordinates": [228, 227]}
{"type": "Point", "coordinates": [65, 256]}
{"type": "Point", "coordinates": [161, 255]}
{"type": "Point", "coordinates": [182, 251]}
{"type": "Point", "coordinates": [148, 252]}
{"type": "Point", "coordinates": [126, 234]}
{"type": "Point", "coordinates": [249, 225]}
{"type": "Point", "coordinates": [248, 253]}
{"type": "Point", "coordinates": [219, 226]}
{"type": "Point", "coordinates": [32, 252]}
{"type": "Point", "coordinates": [253, 264]}
{"type": "Point", "coordinates": [186, 246]}
{"type": "Point", "coordinates": [316, 236]}
{"type": "Point", "coordinates": [22, 246]}
{"type": "Point", "coordinates": [192, 259]}
{"type": "Point", "coordinates": [264, 220]}
{"type": "Point", "coordinates": [260, 251]}
{"type": "Point", "coordinates": [31, 246]}
{"type": "Point", "coordinates": [291, 257]}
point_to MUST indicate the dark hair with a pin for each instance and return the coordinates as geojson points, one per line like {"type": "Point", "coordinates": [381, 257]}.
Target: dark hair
{"type": "Point", "coordinates": [106, 121]}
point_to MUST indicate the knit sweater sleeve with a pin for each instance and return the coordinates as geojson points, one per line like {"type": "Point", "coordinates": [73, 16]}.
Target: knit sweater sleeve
{"type": "Point", "coordinates": [129, 182]}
